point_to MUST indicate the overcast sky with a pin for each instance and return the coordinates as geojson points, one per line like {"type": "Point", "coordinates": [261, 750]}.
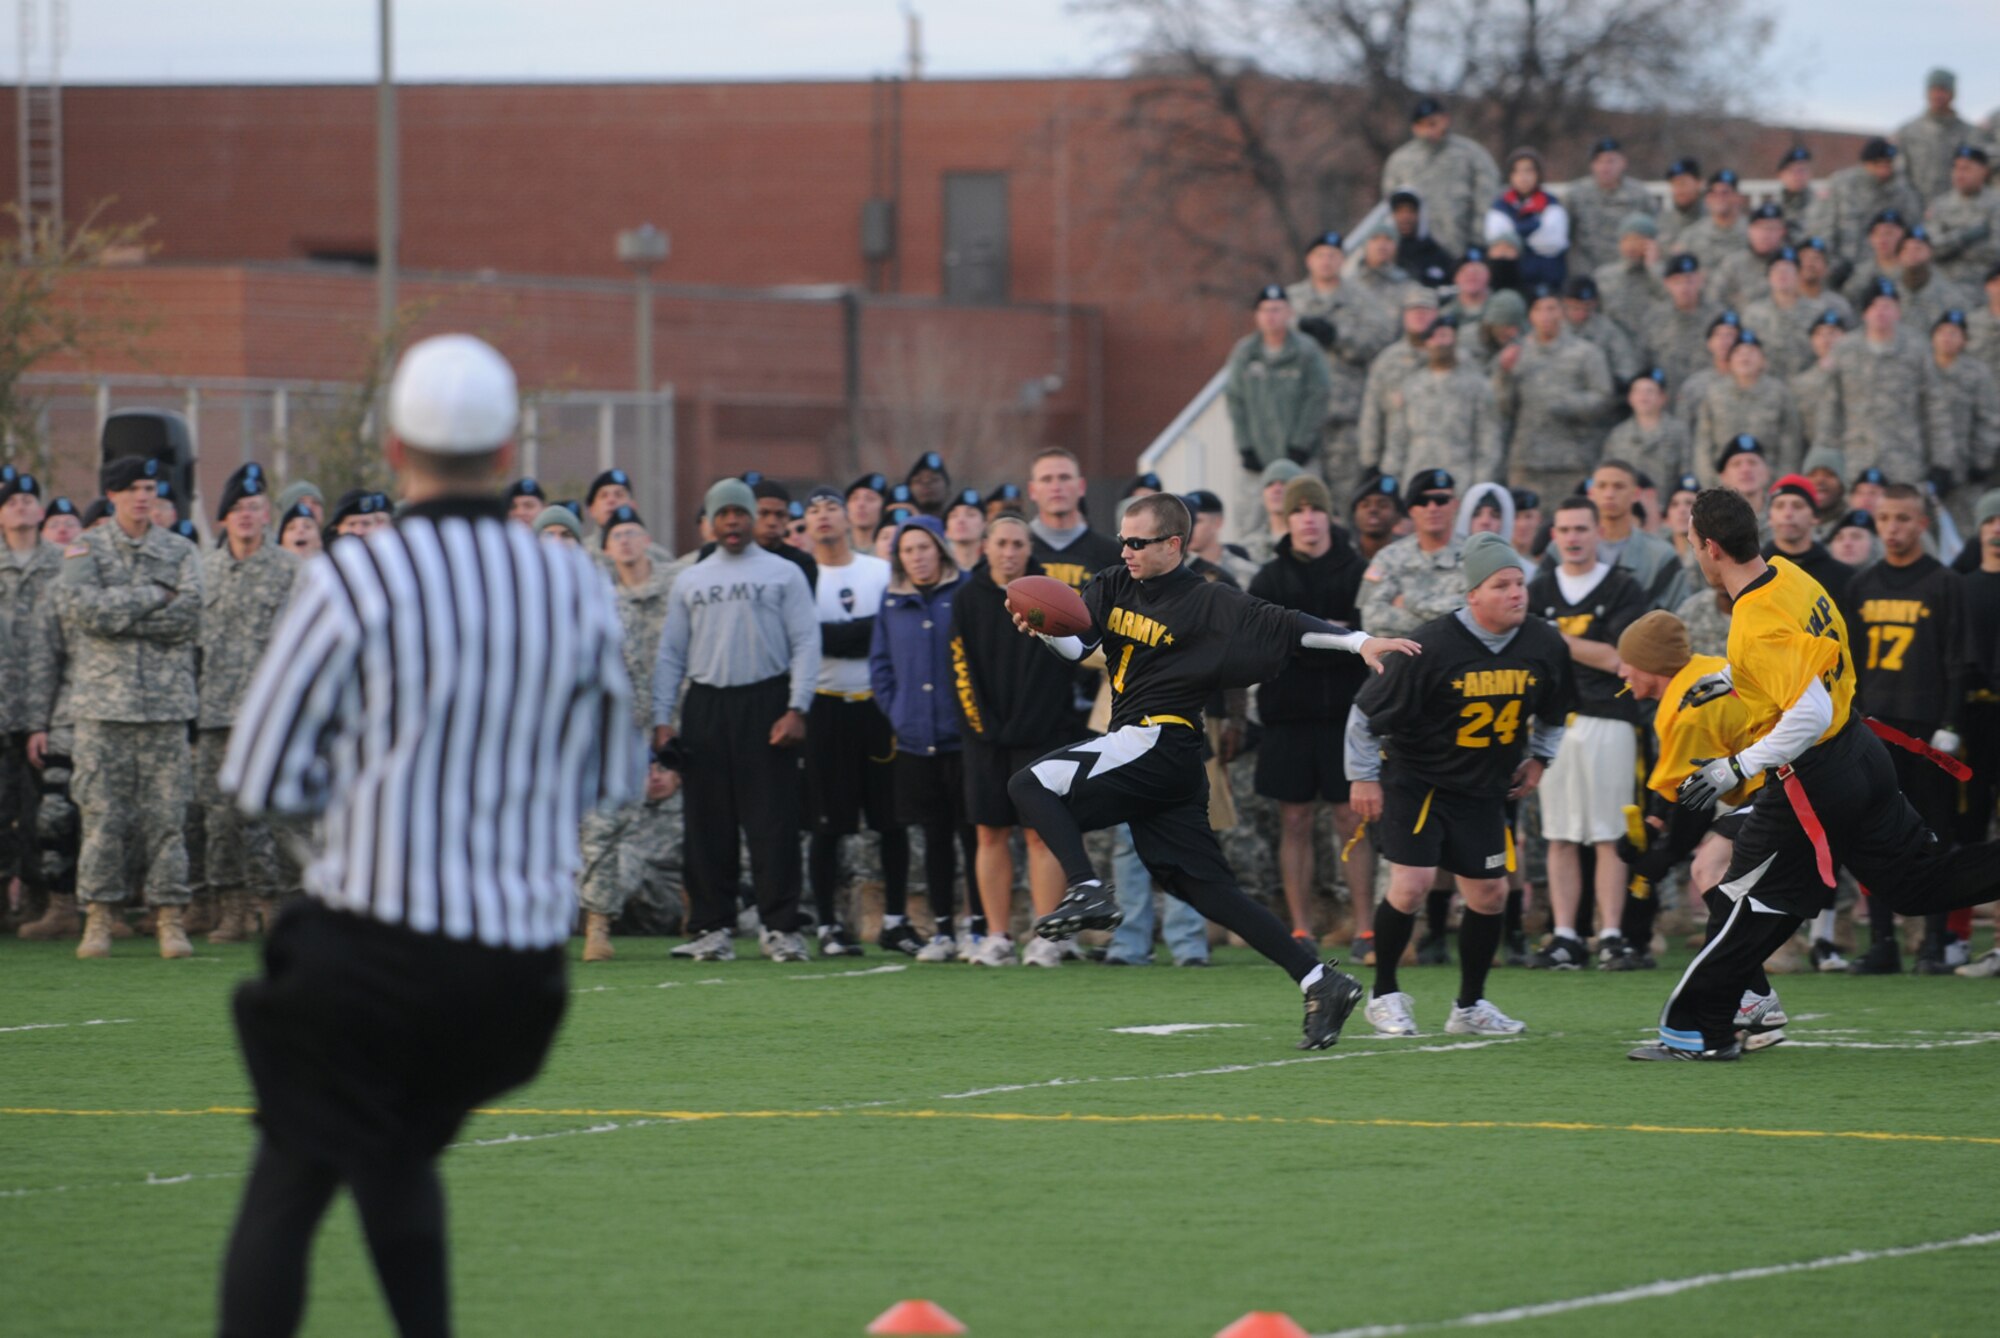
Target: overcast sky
{"type": "Point", "coordinates": [1853, 63]}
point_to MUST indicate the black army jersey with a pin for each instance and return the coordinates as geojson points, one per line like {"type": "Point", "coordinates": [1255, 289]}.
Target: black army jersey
{"type": "Point", "coordinates": [1981, 631]}
{"type": "Point", "coordinates": [1601, 615]}
{"type": "Point", "coordinates": [1171, 641]}
{"type": "Point", "coordinates": [1085, 556]}
{"type": "Point", "coordinates": [1907, 641]}
{"type": "Point", "coordinates": [1458, 716]}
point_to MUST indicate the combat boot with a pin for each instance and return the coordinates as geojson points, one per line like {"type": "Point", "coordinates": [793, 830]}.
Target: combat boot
{"type": "Point", "coordinates": [597, 937]}
{"type": "Point", "coordinates": [167, 928]}
{"type": "Point", "coordinates": [233, 924]}
{"type": "Point", "coordinates": [97, 930]}
{"type": "Point", "coordinates": [60, 920]}
{"type": "Point", "coordinates": [203, 913]}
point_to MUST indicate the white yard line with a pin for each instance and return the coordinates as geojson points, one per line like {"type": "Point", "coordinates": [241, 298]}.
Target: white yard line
{"type": "Point", "coordinates": [1672, 1287]}
{"type": "Point", "coordinates": [1323, 1058]}
{"type": "Point", "coordinates": [54, 1026]}
{"type": "Point", "coordinates": [888, 970]}
{"type": "Point", "coordinates": [1176, 1028]}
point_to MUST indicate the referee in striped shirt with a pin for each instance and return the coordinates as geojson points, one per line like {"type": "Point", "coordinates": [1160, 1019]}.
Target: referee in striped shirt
{"type": "Point", "coordinates": [444, 700]}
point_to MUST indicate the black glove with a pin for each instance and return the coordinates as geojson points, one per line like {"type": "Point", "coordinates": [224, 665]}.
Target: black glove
{"type": "Point", "coordinates": [1319, 329]}
{"type": "Point", "coordinates": [1248, 455]}
{"type": "Point", "coordinates": [1299, 455]}
{"type": "Point", "coordinates": [1651, 864]}
{"type": "Point", "coordinates": [1940, 480]}
{"type": "Point", "coordinates": [671, 756]}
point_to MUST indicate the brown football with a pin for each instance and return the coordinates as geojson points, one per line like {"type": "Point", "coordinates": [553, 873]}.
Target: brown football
{"type": "Point", "coordinates": [1048, 605]}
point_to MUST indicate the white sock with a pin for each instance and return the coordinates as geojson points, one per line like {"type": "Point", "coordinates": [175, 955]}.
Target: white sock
{"type": "Point", "coordinates": [1566, 931]}
{"type": "Point", "coordinates": [1823, 925]}
{"type": "Point", "coordinates": [891, 921]}
{"type": "Point", "coordinates": [1610, 934]}
{"type": "Point", "coordinates": [1312, 977]}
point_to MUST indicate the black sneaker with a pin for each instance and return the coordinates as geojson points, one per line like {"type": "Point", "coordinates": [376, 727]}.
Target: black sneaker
{"type": "Point", "coordinates": [1641, 960]}
{"type": "Point", "coordinates": [835, 941]}
{"type": "Point", "coordinates": [1329, 1001]}
{"type": "Point", "coordinates": [1881, 959]}
{"type": "Point", "coordinates": [1734, 1050]}
{"type": "Point", "coordinates": [901, 938]}
{"type": "Point", "coordinates": [1612, 954]}
{"type": "Point", "coordinates": [1827, 957]}
{"type": "Point", "coordinates": [1930, 960]}
{"type": "Point", "coordinates": [1517, 948]}
{"type": "Point", "coordinates": [1084, 906]}
{"type": "Point", "coordinates": [1434, 950]}
{"type": "Point", "coordinates": [1562, 954]}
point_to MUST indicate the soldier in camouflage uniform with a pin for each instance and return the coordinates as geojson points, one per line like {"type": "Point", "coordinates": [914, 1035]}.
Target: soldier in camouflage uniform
{"type": "Point", "coordinates": [1723, 333]}
{"type": "Point", "coordinates": [1854, 197]}
{"type": "Point", "coordinates": [1927, 294]}
{"type": "Point", "coordinates": [1674, 336]}
{"type": "Point", "coordinates": [1684, 204]}
{"type": "Point", "coordinates": [1378, 277]}
{"type": "Point", "coordinates": [1795, 193]}
{"type": "Point", "coordinates": [1627, 287]}
{"type": "Point", "coordinates": [1929, 141]}
{"type": "Point", "coordinates": [1447, 417]}
{"type": "Point", "coordinates": [1586, 322]}
{"type": "Point", "coordinates": [1352, 329]}
{"type": "Point", "coordinates": [28, 570]}
{"type": "Point", "coordinates": [1706, 613]}
{"type": "Point", "coordinates": [1885, 239]}
{"type": "Point", "coordinates": [633, 850]}
{"type": "Point", "coordinates": [1965, 220]}
{"type": "Point", "coordinates": [1599, 206]}
{"type": "Point", "coordinates": [1556, 399]}
{"type": "Point", "coordinates": [1382, 398]}
{"type": "Point", "coordinates": [1982, 325]}
{"type": "Point", "coordinates": [245, 585]}
{"type": "Point", "coordinates": [1972, 402]}
{"type": "Point", "coordinates": [1453, 175]}
{"type": "Point", "coordinates": [1748, 402]}
{"type": "Point", "coordinates": [1740, 277]}
{"type": "Point", "coordinates": [1420, 576]}
{"type": "Point", "coordinates": [1722, 233]}
{"type": "Point", "coordinates": [1652, 440]}
{"type": "Point", "coordinates": [1891, 410]}
{"type": "Point", "coordinates": [1784, 316]}
{"type": "Point", "coordinates": [1814, 389]}
{"type": "Point", "coordinates": [1500, 325]}
{"type": "Point", "coordinates": [130, 598]}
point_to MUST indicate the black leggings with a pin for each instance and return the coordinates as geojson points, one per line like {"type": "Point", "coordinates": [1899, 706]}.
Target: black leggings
{"type": "Point", "coordinates": [823, 870]}
{"type": "Point", "coordinates": [943, 843]}
{"type": "Point", "coordinates": [402, 1216]}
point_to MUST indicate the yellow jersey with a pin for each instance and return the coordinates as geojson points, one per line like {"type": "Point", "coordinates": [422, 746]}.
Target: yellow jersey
{"type": "Point", "coordinates": [1784, 633]}
{"type": "Point", "coordinates": [1719, 727]}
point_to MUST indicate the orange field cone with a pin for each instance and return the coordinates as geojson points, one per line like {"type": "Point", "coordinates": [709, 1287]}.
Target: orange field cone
{"type": "Point", "coordinates": [921, 1317]}
{"type": "Point", "coordinates": [1264, 1324]}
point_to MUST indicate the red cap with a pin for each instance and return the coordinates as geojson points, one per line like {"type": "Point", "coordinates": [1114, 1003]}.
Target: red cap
{"type": "Point", "coordinates": [1798, 485]}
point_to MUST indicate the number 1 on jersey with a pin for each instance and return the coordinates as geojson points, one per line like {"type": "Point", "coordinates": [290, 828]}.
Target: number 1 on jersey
{"type": "Point", "coordinates": [1118, 674]}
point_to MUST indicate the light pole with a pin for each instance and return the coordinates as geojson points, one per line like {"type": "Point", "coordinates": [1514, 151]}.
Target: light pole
{"type": "Point", "coordinates": [642, 248]}
{"type": "Point", "coordinates": [386, 185]}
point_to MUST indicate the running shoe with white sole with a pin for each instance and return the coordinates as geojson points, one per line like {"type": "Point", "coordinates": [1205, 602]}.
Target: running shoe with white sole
{"type": "Point", "coordinates": [1041, 952]}
{"type": "Point", "coordinates": [1985, 968]}
{"type": "Point", "coordinates": [835, 941]}
{"type": "Point", "coordinates": [941, 948]}
{"type": "Point", "coordinates": [1482, 1019]}
{"type": "Point", "coordinates": [1392, 1014]}
{"type": "Point", "coordinates": [1760, 1012]}
{"type": "Point", "coordinates": [1826, 956]}
{"type": "Point", "coordinates": [901, 938]}
{"type": "Point", "coordinates": [1330, 1001]}
{"type": "Point", "coordinates": [968, 946]}
{"type": "Point", "coordinates": [714, 946]}
{"type": "Point", "coordinates": [1563, 953]}
{"type": "Point", "coordinates": [1734, 1050]}
{"type": "Point", "coordinates": [1087, 905]}
{"type": "Point", "coordinates": [784, 947]}
{"type": "Point", "coordinates": [994, 950]}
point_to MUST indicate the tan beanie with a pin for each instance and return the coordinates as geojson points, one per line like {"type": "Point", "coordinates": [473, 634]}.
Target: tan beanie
{"type": "Point", "coordinates": [1305, 490]}
{"type": "Point", "coordinates": [1656, 643]}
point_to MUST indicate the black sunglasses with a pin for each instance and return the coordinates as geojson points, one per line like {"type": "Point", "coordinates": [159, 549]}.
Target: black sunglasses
{"type": "Point", "coordinates": [1136, 544]}
{"type": "Point", "coordinates": [1433, 499]}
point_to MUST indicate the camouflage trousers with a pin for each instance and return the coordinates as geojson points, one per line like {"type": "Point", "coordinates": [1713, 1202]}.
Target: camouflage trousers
{"type": "Point", "coordinates": [239, 853]}
{"type": "Point", "coordinates": [132, 786]}
{"type": "Point", "coordinates": [1339, 465]}
{"type": "Point", "coordinates": [633, 852]}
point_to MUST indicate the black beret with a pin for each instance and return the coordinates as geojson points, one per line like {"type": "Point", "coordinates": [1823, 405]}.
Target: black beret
{"type": "Point", "coordinates": [357, 502]}
{"type": "Point", "coordinates": [1425, 107]}
{"type": "Point", "coordinates": [1973, 152]}
{"type": "Point", "coordinates": [1378, 485]}
{"type": "Point", "coordinates": [825, 492]}
{"type": "Point", "coordinates": [1684, 263]}
{"type": "Point", "coordinates": [1683, 167]}
{"type": "Point", "coordinates": [1877, 150]}
{"type": "Point", "coordinates": [1857, 519]}
{"type": "Point", "coordinates": [1006, 492]}
{"type": "Point", "coordinates": [1767, 213]}
{"type": "Point", "coordinates": [1146, 480]}
{"type": "Point", "coordinates": [1397, 199]}
{"type": "Point", "coordinates": [1894, 216]}
{"type": "Point", "coordinates": [1604, 145]}
{"type": "Point", "coordinates": [1798, 153]}
{"type": "Point", "coordinates": [298, 511]}
{"type": "Point", "coordinates": [19, 485]}
{"type": "Point", "coordinates": [120, 474]}
{"type": "Point", "coordinates": [1448, 321]}
{"type": "Point", "coordinates": [247, 481]}
{"type": "Point", "coordinates": [901, 494]}
{"type": "Point", "coordinates": [95, 512]}
{"type": "Point", "coordinates": [876, 483]}
{"type": "Point", "coordinates": [1871, 475]}
{"type": "Point", "coordinates": [1742, 444]}
{"type": "Point", "coordinates": [526, 487]}
{"type": "Point", "coordinates": [1541, 291]}
{"type": "Point", "coordinates": [622, 515]}
{"type": "Point", "coordinates": [1657, 375]}
{"type": "Point", "coordinates": [1918, 233]}
{"type": "Point", "coordinates": [1782, 253]}
{"type": "Point", "coordinates": [1687, 483]}
{"type": "Point", "coordinates": [1474, 255]}
{"type": "Point", "coordinates": [753, 477]}
{"type": "Point", "coordinates": [59, 506]}
{"type": "Point", "coordinates": [1879, 290]}
{"type": "Point", "coordinates": [1429, 480]}
{"type": "Point", "coordinates": [1816, 244]}
{"type": "Point", "coordinates": [1951, 317]}
{"type": "Point", "coordinates": [1525, 499]}
{"type": "Point", "coordinates": [1202, 502]}
{"type": "Point", "coordinates": [1581, 287]}
{"type": "Point", "coordinates": [1329, 238]}
{"type": "Point", "coordinates": [1831, 317]}
{"type": "Point", "coordinates": [609, 478]}
{"type": "Point", "coordinates": [929, 460]}
{"type": "Point", "coordinates": [1723, 177]}
{"type": "Point", "coordinates": [966, 497]}
{"type": "Point", "coordinates": [186, 530]}
{"type": "Point", "coordinates": [1270, 292]}
{"type": "Point", "coordinates": [1726, 317]}
{"type": "Point", "coordinates": [1747, 338]}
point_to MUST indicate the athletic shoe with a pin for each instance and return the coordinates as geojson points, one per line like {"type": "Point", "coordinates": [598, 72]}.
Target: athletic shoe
{"type": "Point", "coordinates": [1957, 952]}
{"type": "Point", "coordinates": [1930, 961]}
{"type": "Point", "coordinates": [968, 944]}
{"type": "Point", "coordinates": [1759, 1013]}
{"type": "Point", "coordinates": [1363, 949]}
{"type": "Point", "coordinates": [901, 938]}
{"type": "Point", "coordinates": [1041, 952]}
{"type": "Point", "coordinates": [1330, 1000]}
{"type": "Point", "coordinates": [1434, 950]}
{"type": "Point", "coordinates": [1734, 1050]}
{"type": "Point", "coordinates": [1881, 959]}
{"type": "Point", "coordinates": [834, 941]}
{"type": "Point", "coordinates": [1191, 961]}
{"type": "Point", "coordinates": [1985, 968]}
{"type": "Point", "coordinates": [1763, 1040]}
{"type": "Point", "coordinates": [784, 947]}
{"type": "Point", "coordinates": [941, 948]}
{"type": "Point", "coordinates": [1642, 959]}
{"type": "Point", "coordinates": [748, 923]}
{"type": "Point", "coordinates": [1826, 957]}
{"type": "Point", "coordinates": [1084, 906]}
{"type": "Point", "coordinates": [1610, 948]}
{"type": "Point", "coordinates": [1072, 953]}
{"type": "Point", "coordinates": [1563, 954]}
{"type": "Point", "coordinates": [1392, 1015]}
{"type": "Point", "coordinates": [1517, 949]}
{"type": "Point", "coordinates": [714, 946]}
{"type": "Point", "coordinates": [994, 950]}
{"type": "Point", "coordinates": [1482, 1019]}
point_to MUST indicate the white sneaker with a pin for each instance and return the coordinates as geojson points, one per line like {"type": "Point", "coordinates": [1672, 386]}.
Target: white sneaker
{"type": "Point", "coordinates": [1390, 1015]}
{"type": "Point", "coordinates": [748, 923]}
{"type": "Point", "coordinates": [1041, 952]}
{"type": "Point", "coordinates": [941, 948]}
{"type": "Point", "coordinates": [995, 950]}
{"type": "Point", "coordinates": [784, 947]}
{"type": "Point", "coordinates": [1760, 1012]}
{"type": "Point", "coordinates": [1482, 1019]}
{"type": "Point", "coordinates": [714, 946]}
{"type": "Point", "coordinates": [1957, 953]}
{"type": "Point", "coordinates": [1986, 967]}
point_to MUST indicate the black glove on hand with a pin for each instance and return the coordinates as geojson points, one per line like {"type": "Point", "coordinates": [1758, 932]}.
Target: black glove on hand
{"type": "Point", "coordinates": [1318, 329]}
{"type": "Point", "coordinates": [1651, 864]}
{"type": "Point", "coordinates": [1299, 455]}
{"type": "Point", "coordinates": [1248, 455]}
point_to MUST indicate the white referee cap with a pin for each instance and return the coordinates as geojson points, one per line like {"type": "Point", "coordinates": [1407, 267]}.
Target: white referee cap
{"type": "Point", "coordinates": [453, 394]}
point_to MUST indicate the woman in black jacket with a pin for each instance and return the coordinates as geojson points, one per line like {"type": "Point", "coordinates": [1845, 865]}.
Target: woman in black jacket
{"type": "Point", "coordinates": [1016, 701]}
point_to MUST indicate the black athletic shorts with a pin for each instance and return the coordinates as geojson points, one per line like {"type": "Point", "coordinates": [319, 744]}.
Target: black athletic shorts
{"type": "Point", "coordinates": [1301, 761]}
{"type": "Point", "coordinates": [987, 770]}
{"type": "Point", "coordinates": [930, 790]}
{"type": "Point", "coordinates": [366, 1040]}
{"type": "Point", "coordinates": [1427, 828]}
{"type": "Point", "coordinates": [850, 767]}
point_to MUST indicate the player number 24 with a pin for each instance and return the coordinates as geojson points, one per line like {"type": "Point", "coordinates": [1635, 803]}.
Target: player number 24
{"type": "Point", "coordinates": [1887, 644]}
{"type": "Point", "coordinates": [1482, 726]}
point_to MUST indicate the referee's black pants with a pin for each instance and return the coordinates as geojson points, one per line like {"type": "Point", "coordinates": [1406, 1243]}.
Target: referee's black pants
{"type": "Point", "coordinates": [734, 779]}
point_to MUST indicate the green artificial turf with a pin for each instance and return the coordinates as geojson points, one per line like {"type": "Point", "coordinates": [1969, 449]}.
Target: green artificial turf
{"type": "Point", "coordinates": [850, 1172]}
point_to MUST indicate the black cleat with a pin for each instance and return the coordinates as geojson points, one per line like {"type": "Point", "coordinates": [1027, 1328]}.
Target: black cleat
{"type": "Point", "coordinates": [1562, 954]}
{"type": "Point", "coordinates": [1881, 959]}
{"type": "Point", "coordinates": [1734, 1050]}
{"type": "Point", "coordinates": [902, 938]}
{"type": "Point", "coordinates": [835, 941]}
{"type": "Point", "coordinates": [1084, 906]}
{"type": "Point", "coordinates": [1329, 1002]}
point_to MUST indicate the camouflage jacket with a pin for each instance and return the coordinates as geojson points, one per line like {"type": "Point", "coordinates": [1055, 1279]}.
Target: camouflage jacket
{"type": "Point", "coordinates": [1707, 622]}
{"type": "Point", "coordinates": [1765, 411]}
{"type": "Point", "coordinates": [1277, 401]}
{"type": "Point", "coordinates": [1448, 420]}
{"type": "Point", "coordinates": [1595, 218]}
{"type": "Point", "coordinates": [1676, 341]}
{"type": "Point", "coordinates": [241, 601]}
{"type": "Point", "coordinates": [1361, 329]}
{"type": "Point", "coordinates": [26, 580]}
{"type": "Point", "coordinates": [1852, 198]}
{"type": "Point", "coordinates": [1663, 454]}
{"type": "Point", "coordinates": [1628, 294]}
{"type": "Point", "coordinates": [1557, 404]}
{"type": "Point", "coordinates": [1890, 406]}
{"type": "Point", "coordinates": [1787, 335]}
{"type": "Point", "coordinates": [642, 611]}
{"type": "Point", "coordinates": [1965, 235]}
{"type": "Point", "coordinates": [1405, 587]}
{"type": "Point", "coordinates": [1923, 305]}
{"type": "Point", "coordinates": [1739, 280]}
{"type": "Point", "coordinates": [1713, 244]}
{"type": "Point", "coordinates": [1620, 350]}
{"type": "Point", "coordinates": [1817, 396]}
{"type": "Point", "coordinates": [1972, 402]}
{"type": "Point", "coordinates": [132, 612]}
{"type": "Point", "coordinates": [1982, 329]}
{"type": "Point", "coordinates": [1455, 178]}
{"type": "Point", "coordinates": [1928, 143]}
{"type": "Point", "coordinates": [1382, 401]}
{"type": "Point", "coordinates": [1674, 223]}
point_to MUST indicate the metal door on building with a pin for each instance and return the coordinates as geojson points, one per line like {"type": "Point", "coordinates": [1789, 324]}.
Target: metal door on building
{"type": "Point", "coordinates": [975, 237]}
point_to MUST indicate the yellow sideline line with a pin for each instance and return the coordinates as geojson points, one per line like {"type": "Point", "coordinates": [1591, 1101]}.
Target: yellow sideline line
{"type": "Point", "coordinates": [1017, 1117]}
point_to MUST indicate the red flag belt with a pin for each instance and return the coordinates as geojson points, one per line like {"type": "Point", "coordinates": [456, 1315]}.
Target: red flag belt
{"type": "Point", "coordinates": [1889, 734]}
{"type": "Point", "coordinates": [1795, 790]}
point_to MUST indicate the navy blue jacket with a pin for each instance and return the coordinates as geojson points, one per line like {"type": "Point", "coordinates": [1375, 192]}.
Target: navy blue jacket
{"type": "Point", "coordinates": [909, 666]}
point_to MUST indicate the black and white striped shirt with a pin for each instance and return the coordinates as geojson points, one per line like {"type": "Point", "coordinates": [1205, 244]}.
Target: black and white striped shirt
{"type": "Point", "coordinates": [447, 698]}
